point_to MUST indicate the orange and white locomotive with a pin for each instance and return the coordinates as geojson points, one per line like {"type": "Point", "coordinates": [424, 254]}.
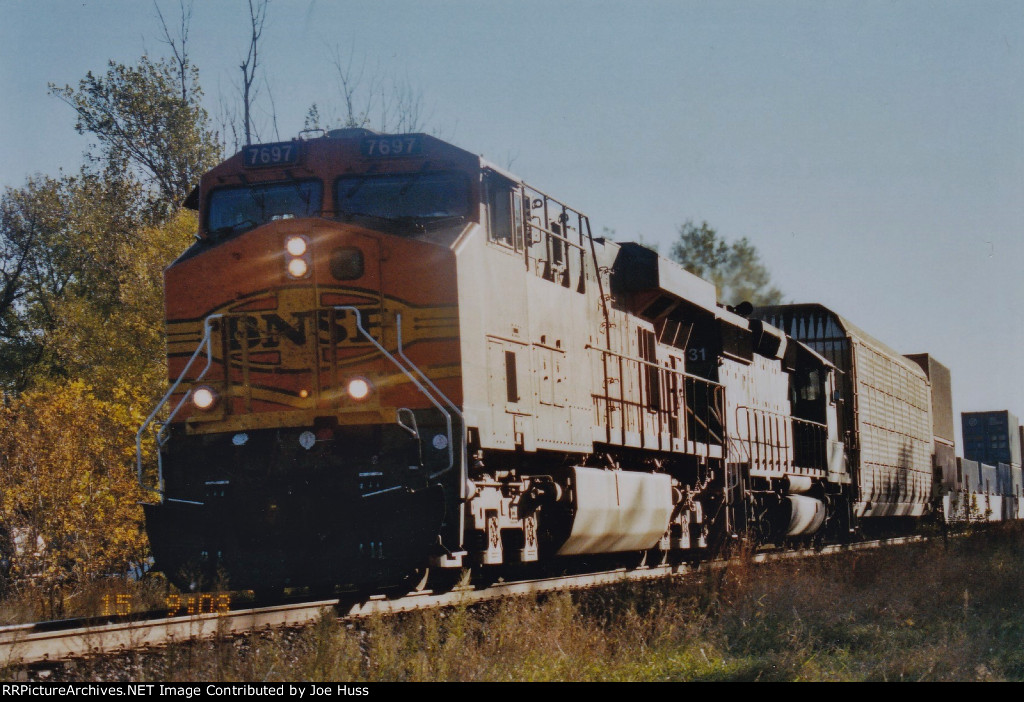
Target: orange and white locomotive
{"type": "Point", "coordinates": [387, 354]}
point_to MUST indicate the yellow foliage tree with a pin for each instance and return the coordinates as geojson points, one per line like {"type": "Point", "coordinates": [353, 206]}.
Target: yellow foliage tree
{"type": "Point", "coordinates": [68, 493]}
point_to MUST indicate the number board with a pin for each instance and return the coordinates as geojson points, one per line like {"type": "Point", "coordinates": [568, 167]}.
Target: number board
{"type": "Point", "coordinates": [279, 154]}
{"type": "Point", "coordinates": [390, 146]}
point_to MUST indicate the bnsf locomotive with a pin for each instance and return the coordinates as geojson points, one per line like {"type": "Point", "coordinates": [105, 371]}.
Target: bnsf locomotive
{"type": "Point", "coordinates": [389, 355]}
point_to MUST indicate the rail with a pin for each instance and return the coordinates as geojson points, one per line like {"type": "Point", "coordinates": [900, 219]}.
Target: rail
{"type": "Point", "coordinates": [682, 405]}
{"type": "Point", "coordinates": [401, 354]}
{"type": "Point", "coordinates": [419, 386]}
{"type": "Point", "coordinates": [777, 442]}
{"type": "Point", "coordinates": [540, 218]}
{"type": "Point", "coordinates": [161, 436]}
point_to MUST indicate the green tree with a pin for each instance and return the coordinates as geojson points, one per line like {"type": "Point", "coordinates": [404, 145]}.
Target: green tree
{"type": "Point", "coordinates": [735, 268]}
{"type": "Point", "coordinates": [146, 128]}
{"type": "Point", "coordinates": [60, 239]}
{"type": "Point", "coordinates": [85, 339]}
{"type": "Point", "coordinates": [22, 232]}
{"type": "Point", "coordinates": [71, 247]}
{"type": "Point", "coordinates": [121, 337]}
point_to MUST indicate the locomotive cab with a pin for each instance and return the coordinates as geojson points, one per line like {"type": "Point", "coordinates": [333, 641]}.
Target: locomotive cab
{"type": "Point", "coordinates": [314, 433]}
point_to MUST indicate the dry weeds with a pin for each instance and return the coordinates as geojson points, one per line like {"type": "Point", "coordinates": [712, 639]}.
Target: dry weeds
{"type": "Point", "coordinates": [921, 612]}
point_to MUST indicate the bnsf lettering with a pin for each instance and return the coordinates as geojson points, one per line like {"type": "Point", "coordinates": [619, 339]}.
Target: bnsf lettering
{"type": "Point", "coordinates": [276, 327]}
{"type": "Point", "coordinates": [267, 330]}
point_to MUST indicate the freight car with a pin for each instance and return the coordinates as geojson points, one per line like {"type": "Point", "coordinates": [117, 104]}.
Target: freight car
{"type": "Point", "coordinates": [983, 493]}
{"type": "Point", "coordinates": [887, 412]}
{"type": "Point", "coordinates": [388, 355]}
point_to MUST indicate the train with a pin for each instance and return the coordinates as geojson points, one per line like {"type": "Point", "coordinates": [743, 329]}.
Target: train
{"type": "Point", "coordinates": [389, 357]}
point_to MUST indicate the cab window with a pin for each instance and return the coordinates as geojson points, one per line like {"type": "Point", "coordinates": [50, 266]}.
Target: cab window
{"type": "Point", "coordinates": [415, 196]}
{"type": "Point", "coordinates": [237, 209]}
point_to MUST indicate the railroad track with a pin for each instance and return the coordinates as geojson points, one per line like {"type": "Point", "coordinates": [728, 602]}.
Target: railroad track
{"type": "Point", "coordinates": [48, 641]}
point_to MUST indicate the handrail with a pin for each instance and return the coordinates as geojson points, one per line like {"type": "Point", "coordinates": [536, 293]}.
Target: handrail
{"type": "Point", "coordinates": [777, 447]}
{"type": "Point", "coordinates": [452, 405]}
{"type": "Point", "coordinates": [704, 425]}
{"type": "Point", "coordinates": [652, 364]}
{"type": "Point", "coordinates": [782, 415]}
{"type": "Point", "coordinates": [161, 439]}
{"type": "Point", "coordinates": [411, 377]}
{"type": "Point", "coordinates": [553, 235]}
{"type": "Point", "coordinates": [686, 411]}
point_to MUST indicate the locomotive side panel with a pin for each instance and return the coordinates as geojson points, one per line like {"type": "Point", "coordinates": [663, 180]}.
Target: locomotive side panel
{"type": "Point", "coordinates": [523, 334]}
{"type": "Point", "coordinates": [758, 408]}
{"type": "Point", "coordinates": [658, 374]}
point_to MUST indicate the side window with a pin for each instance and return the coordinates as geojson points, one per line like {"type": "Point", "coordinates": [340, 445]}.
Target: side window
{"type": "Point", "coordinates": [504, 212]}
{"type": "Point", "coordinates": [811, 385]}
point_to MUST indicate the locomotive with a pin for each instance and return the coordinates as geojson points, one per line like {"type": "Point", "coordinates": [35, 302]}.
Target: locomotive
{"type": "Point", "coordinates": [389, 356]}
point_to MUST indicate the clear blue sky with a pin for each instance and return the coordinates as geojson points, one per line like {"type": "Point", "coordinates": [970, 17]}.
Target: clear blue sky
{"type": "Point", "coordinates": [872, 151]}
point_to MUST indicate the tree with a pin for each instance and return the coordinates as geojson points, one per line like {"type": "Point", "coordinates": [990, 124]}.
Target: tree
{"type": "Point", "coordinates": [60, 239]}
{"type": "Point", "coordinates": [145, 129]}
{"type": "Point", "coordinates": [21, 240]}
{"type": "Point", "coordinates": [735, 269]}
{"type": "Point", "coordinates": [238, 123]}
{"type": "Point", "coordinates": [179, 43]}
{"type": "Point", "coordinates": [91, 290]}
{"type": "Point", "coordinates": [82, 357]}
{"type": "Point", "coordinates": [121, 337]}
{"type": "Point", "coordinates": [369, 100]}
{"type": "Point", "coordinates": [68, 494]}
{"type": "Point", "coordinates": [257, 16]}
{"type": "Point", "coordinates": [85, 338]}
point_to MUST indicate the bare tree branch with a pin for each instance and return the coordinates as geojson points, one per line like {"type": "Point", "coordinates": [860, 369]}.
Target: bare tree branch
{"type": "Point", "coordinates": [178, 46]}
{"type": "Point", "coordinates": [349, 80]}
{"type": "Point", "coordinates": [257, 16]}
{"type": "Point", "coordinates": [392, 106]}
{"type": "Point", "coordinates": [226, 119]}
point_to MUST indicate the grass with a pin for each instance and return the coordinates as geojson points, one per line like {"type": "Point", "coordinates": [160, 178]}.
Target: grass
{"type": "Point", "coordinates": [919, 612]}
{"type": "Point", "coordinates": [100, 597]}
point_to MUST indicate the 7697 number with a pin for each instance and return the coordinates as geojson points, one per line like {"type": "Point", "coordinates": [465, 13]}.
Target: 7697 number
{"type": "Point", "coordinates": [390, 146]}
{"type": "Point", "coordinates": [271, 154]}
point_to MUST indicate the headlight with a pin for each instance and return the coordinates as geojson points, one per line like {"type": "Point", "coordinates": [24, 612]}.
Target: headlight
{"type": "Point", "coordinates": [297, 256]}
{"type": "Point", "coordinates": [204, 397]}
{"type": "Point", "coordinates": [359, 388]}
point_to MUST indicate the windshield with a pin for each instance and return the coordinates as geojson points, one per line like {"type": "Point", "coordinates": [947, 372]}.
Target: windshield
{"type": "Point", "coordinates": [410, 195]}
{"type": "Point", "coordinates": [238, 209]}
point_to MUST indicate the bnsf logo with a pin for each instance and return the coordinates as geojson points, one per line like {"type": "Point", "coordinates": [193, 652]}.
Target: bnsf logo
{"type": "Point", "coordinates": [287, 332]}
{"type": "Point", "coordinates": [269, 330]}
